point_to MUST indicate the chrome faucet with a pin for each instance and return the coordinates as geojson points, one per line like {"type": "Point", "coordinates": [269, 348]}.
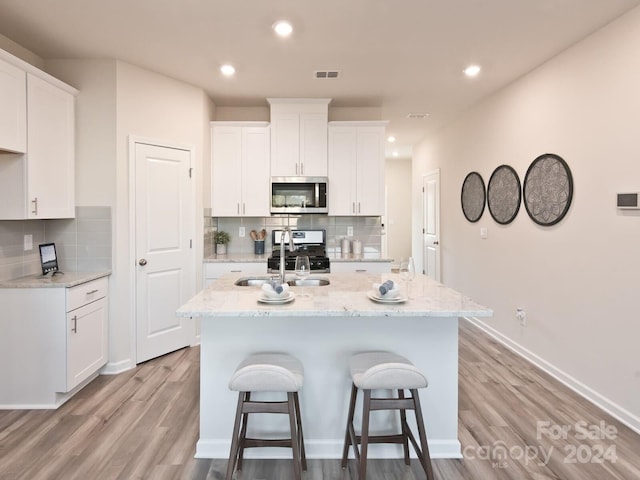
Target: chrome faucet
{"type": "Point", "coordinates": [292, 248]}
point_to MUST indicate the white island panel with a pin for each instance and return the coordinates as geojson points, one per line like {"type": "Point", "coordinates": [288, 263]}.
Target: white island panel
{"type": "Point", "coordinates": [323, 330]}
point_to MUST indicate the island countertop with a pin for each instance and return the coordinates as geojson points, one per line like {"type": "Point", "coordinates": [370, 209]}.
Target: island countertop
{"type": "Point", "coordinates": [346, 296]}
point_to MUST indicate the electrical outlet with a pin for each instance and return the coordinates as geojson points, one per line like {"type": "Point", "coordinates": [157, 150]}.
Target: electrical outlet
{"type": "Point", "coordinates": [241, 232]}
{"type": "Point", "coordinates": [483, 233]}
{"type": "Point", "coordinates": [521, 316]}
{"type": "Point", "coordinates": [28, 242]}
{"type": "Point", "coordinates": [349, 231]}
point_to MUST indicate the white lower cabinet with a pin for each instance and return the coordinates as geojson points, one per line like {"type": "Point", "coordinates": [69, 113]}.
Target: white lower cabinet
{"type": "Point", "coordinates": [214, 270]}
{"type": "Point", "coordinates": [52, 340]}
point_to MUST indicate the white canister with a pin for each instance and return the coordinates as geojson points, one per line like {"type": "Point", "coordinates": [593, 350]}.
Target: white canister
{"type": "Point", "coordinates": [345, 246]}
{"type": "Point", "coordinates": [357, 247]}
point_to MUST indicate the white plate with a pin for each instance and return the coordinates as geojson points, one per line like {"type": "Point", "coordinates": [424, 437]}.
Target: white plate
{"type": "Point", "coordinates": [377, 298]}
{"type": "Point", "coordinates": [277, 301]}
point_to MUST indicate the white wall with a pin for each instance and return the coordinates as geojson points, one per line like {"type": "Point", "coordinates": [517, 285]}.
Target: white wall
{"type": "Point", "coordinates": [398, 217]}
{"type": "Point", "coordinates": [578, 280]}
{"type": "Point", "coordinates": [118, 100]}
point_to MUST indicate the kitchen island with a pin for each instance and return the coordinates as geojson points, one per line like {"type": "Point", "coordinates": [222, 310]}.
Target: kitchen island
{"type": "Point", "coordinates": [323, 329]}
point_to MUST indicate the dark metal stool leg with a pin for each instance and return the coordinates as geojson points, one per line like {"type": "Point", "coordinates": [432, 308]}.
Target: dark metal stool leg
{"type": "Point", "coordinates": [426, 458]}
{"type": "Point", "coordinates": [405, 428]}
{"type": "Point", "coordinates": [347, 438]}
{"type": "Point", "coordinates": [243, 433]}
{"type": "Point", "coordinates": [234, 440]}
{"type": "Point", "coordinates": [294, 436]}
{"type": "Point", "coordinates": [364, 442]}
{"type": "Point", "coordinates": [303, 456]}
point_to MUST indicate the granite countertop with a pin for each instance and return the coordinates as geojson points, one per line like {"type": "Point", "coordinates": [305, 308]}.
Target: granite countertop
{"type": "Point", "coordinates": [346, 296]}
{"type": "Point", "coordinates": [66, 280]}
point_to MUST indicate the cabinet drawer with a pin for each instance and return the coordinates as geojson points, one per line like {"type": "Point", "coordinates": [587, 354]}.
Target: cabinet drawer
{"type": "Point", "coordinates": [217, 269]}
{"type": "Point", "coordinates": [86, 293]}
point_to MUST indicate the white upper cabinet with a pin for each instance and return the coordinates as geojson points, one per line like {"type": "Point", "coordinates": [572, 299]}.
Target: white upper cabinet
{"type": "Point", "coordinates": [299, 137]}
{"type": "Point", "coordinates": [356, 168]}
{"type": "Point", "coordinates": [37, 123]}
{"type": "Point", "coordinates": [240, 169]}
{"type": "Point", "coordinates": [13, 113]}
{"type": "Point", "coordinates": [50, 150]}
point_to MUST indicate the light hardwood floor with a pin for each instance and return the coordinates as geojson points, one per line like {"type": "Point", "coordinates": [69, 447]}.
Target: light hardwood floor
{"type": "Point", "coordinates": [144, 424]}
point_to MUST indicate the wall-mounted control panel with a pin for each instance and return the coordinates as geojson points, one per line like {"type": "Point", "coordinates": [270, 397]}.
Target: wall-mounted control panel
{"type": "Point", "coordinates": [628, 200]}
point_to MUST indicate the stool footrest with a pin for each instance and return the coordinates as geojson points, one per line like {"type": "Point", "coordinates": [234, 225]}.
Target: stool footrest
{"type": "Point", "coordinates": [391, 404]}
{"type": "Point", "coordinates": [265, 407]}
{"type": "Point", "coordinates": [272, 442]}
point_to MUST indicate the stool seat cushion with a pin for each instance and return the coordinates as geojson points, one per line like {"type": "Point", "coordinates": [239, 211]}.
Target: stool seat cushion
{"type": "Point", "coordinates": [268, 372]}
{"type": "Point", "coordinates": [385, 370]}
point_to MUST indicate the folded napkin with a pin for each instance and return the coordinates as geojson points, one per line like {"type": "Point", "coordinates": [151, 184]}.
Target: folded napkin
{"type": "Point", "coordinates": [275, 290]}
{"type": "Point", "coordinates": [387, 289]}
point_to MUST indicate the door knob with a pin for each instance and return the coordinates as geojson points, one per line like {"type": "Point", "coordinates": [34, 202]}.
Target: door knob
{"type": "Point", "coordinates": [142, 262]}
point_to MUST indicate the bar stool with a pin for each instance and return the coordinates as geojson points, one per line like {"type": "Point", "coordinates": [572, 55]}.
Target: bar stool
{"type": "Point", "coordinates": [385, 370]}
{"type": "Point", "coordinates": [267, 372]}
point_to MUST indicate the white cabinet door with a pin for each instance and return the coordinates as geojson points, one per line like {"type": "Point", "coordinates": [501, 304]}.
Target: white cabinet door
{"type": "Point", "coordinates": [226, 171]}
{"type": "Point", "coordinates": [86, 341]}
{"type": "Point", "coordinates": [240, 170]}
{"type": "Point", "coordinates": [285, 144]}
{"type": "Point", "coordinates": [50, 147]}
{"type": "Point", "coordinates": [255, 172]}
{"type": "Point", "coordinates": [342, 171]}
{"type": "Point", "coordinates": [370, 177]}
{"type": "Point", "coordinates": [13, 113]}
{"type": "Point", "coordinates": [356, 169]}
{"type": "Point", "coordinates": [313, 145]}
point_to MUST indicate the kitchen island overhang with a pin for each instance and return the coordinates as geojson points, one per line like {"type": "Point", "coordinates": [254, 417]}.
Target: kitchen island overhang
{"type": "Point", "coordinates": [323, 330]}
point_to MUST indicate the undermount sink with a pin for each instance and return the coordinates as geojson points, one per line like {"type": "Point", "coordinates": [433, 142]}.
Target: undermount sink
{"type": "Point", "coordinates": [293, 282]}
{"type": "Point", "coordinates": [309, 282]}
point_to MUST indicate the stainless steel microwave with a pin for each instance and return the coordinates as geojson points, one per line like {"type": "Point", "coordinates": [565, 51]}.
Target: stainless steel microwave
{"type": "Point", "coordinates": [299, 195]}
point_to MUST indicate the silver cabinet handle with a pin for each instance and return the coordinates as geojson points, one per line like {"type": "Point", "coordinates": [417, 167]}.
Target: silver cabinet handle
{"type": "Point", "coordinates": [353, 207]}
{"type": "Point", "coordinates": [436, 243]}
{"type": "Point", "coordinates": [238, 208]}
{"type": "Point", "coordinates": [296, 169]}
{"type": "Point", "coordinates": [301, 168]}
{"type": "Point", "coordinates": [358, 207]}
{"type": "Point", "coordinates": [361, 270]}
{"type": "Point", "coordinates": [91, 292]}
{"type": "Point", "coordinates": [74, 329]}
{"type": "Point", "coordinates": [244, 208]}
{"type": "Point", "coordinates": [35, 206]}
{"type": "Point", "coordinates": [142, 262]}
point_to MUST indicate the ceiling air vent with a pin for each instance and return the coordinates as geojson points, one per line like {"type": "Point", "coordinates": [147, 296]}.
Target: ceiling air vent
{"type": "Point", "coordinates": [419, 115]}
{"type": "Point", "coordinates": [324, 74]}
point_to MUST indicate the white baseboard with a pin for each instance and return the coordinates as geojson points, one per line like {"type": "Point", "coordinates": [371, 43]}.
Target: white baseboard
{"type": "Point", "coordinates": [113, 368]}
{"type": "Point", "coordinates": [629, 419]}
{"type": "Point", "coordinates": [326, 449]}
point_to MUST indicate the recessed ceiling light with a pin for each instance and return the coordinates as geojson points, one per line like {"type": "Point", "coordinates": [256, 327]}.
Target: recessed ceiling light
{"type": "Point", "coordinates": [283, 28]}
{"type": "Point", "coordinates": [472, 70]}
{"type": "Point", "coordinates": [391, 139]}
{"type": "Point", "coordinates": [228, 70]}
{"type": "Point", "coordinates": [395, 153]}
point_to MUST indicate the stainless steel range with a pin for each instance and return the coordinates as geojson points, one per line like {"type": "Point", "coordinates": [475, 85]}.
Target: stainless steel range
{"type": "Point", "coordinates": [312, 243]}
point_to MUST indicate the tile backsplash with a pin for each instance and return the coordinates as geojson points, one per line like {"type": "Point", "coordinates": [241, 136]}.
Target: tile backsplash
{"type": "Point", "coordinates": [82, 243]}
{"type": "Point", "coordinates": [366, 229]}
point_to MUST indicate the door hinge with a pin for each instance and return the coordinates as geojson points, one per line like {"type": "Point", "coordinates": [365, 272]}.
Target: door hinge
{"type": "Point", "coordinates": [423, 232]}
{"type": "Point", "coordinates": [190, 171]}
{"type": "Point", "coordinates": [190, 243]}
{"type": "Point", "coordinates": [422, 189]}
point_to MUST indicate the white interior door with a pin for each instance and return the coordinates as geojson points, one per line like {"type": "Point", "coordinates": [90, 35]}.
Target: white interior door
{"type": "Point", "coordinates": [431, 226]}
{"type": "Point", "coordinates": [165, 262]}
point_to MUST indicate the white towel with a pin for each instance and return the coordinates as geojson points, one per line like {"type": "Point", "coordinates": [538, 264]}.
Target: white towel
{"type": "Point", "coordinates": [269, 292]}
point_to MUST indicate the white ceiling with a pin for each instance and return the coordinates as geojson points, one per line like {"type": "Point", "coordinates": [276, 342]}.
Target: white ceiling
{"type": "Point", "coordinates": [399, 56]}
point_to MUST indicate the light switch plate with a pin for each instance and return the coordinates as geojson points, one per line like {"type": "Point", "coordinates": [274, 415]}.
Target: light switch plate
{"type": "Point", "coordinates": [241, 232]}
{"type": "Point", "coordinates": [28, 242]}
{"type": "Point", "coordinates": [350, 231]}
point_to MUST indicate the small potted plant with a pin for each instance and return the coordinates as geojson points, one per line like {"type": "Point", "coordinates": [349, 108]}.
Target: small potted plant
{"type": "Point", "coordinates": [221, 238]}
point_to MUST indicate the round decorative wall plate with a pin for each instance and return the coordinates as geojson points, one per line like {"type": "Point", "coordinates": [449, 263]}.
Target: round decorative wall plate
{"type": "Point", "coordinates": [548, 189]}
{"type": "Point", "coordinates": [504, 194]}
{"type": "Point", "coordinates": [473, 197]}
